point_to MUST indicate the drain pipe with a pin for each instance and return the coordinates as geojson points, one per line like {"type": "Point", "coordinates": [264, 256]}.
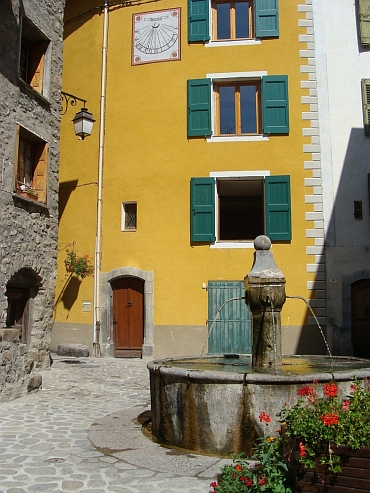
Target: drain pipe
{"type": "Point", "coordinates": [97, 262]}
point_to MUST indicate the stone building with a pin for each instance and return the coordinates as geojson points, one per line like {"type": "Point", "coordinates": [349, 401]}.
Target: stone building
{"type": "Point", "coordinates": [30, 84]}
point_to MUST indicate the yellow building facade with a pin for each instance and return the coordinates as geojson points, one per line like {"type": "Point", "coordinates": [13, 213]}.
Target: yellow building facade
{"type": "Point", "coordinates": [202, 141]}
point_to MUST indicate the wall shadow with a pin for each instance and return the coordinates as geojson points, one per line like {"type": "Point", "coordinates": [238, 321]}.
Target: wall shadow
{"type": "Point", "coordinates": [8, 41]}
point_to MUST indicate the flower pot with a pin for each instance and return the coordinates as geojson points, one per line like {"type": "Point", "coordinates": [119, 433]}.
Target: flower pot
{"type": "Point", "coordinates": [354, 477]}
{"type": "Point", "coordinates": [28, 195]}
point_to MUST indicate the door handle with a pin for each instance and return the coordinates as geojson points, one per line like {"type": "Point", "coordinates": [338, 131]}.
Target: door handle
{"type": "Point", "coordinates": [129, 303]}
{"type": "Point", "coordinates": [114, 322]}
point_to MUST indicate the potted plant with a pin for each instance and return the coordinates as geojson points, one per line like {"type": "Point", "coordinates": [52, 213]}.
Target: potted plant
{"type": "Point", "coordinates": [80, 266]}
{"type": "Point", "coordinates": [27, 191]}
{"type": "Point", "coordinates": [266, 471]}
{"type": "Point", "coordinates": [324, 430]}
{"type": "Point", "coordinates": [324, 442]}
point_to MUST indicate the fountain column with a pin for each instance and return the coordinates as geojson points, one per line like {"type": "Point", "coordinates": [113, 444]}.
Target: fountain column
{"type": "Point", "coordinates": [265, 296]}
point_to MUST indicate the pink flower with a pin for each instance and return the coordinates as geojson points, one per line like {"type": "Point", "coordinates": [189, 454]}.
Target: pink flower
{"type": "Point", "coordinates": [345, 405]}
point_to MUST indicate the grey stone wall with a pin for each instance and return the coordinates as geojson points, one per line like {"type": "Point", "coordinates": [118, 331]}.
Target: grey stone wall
{"type": "Point", "coordinates": [29, 230]}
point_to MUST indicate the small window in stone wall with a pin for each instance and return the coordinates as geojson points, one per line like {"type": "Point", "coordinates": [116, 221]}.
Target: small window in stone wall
{"type": "Point", "coordinates": [31, 162]}
{"type": "Point", "coordinates": [33, 57]}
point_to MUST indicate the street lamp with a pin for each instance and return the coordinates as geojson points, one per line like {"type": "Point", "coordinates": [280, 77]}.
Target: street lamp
{"type": "Point", "coordinates": [83, 121]}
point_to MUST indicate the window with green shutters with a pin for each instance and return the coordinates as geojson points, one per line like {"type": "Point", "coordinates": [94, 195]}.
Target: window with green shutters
{"type": "Point", "coordinates": [240, 209]}
{"type": "Point", "coordinates": [365, 85]}
{"type": "Point", "coordinates": [232, 20]}
{"type": "Point", "coordinates": [198, 20]}
{"type": "Point", "coordinates": [245, 107]}
{"type": "Point", "coordinates": [275, 108]}
{"type": "Point", "coordinates": [199, 108]}
{"type": "Point", "coordinates": [364, 18]}
{"type": "Point", "coordinates": [202, 209]}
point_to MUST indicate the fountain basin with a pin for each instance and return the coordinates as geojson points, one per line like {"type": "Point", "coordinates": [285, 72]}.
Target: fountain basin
{"type": "Point", "coordinates": [213, 405]}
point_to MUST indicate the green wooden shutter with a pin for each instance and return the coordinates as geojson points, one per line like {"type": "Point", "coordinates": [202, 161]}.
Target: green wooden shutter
{"type": "Point", "coordinates": [266, 18]}
{"type": "Point", "coordinates": [198, 20]}
{"type": "Point", "coordinates": [278, 208]}
{"type": "Point", "coordinates": [365, 83]}
{"type": "Point", "coordinates": [364, 16]}
{"type": "Point", "coordinates": [232, 331]}
{"type": "Point", "coordinates": [199, 108]}
{"type": "Point", "coordinates": [275, 105]}
{"type": "Point", "coordinates": [202, 200]}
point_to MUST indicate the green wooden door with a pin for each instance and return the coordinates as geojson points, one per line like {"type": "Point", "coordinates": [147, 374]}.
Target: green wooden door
{"type": "Point", "coordinates": [232, 331]}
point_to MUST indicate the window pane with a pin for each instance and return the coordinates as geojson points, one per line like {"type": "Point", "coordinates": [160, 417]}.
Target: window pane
{"type": "Point", "coordinates": [130, 216]}
{"type": "Point", "coordinates": [242, 19]}
{"type": "Point", "coordinates": [223, 21]}
{"type": "Point", "coordinates": [248, 109]}
{"type": "Point", "coordinates": [227, 109]}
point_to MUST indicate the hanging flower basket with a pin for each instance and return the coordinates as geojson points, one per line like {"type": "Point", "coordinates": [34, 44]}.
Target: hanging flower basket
{"type": "Point", "coordinates": [80, 266]}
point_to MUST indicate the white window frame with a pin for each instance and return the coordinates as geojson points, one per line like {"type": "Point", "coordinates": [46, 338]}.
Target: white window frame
{"type": "Point", "coordinates": [123, 216]}
{"type": "Point", "coordinates": [223, 78]}
{"type": "Point", "coordinates": [232, 175]}
{"type": "Point", "coordinates": [212, 43]}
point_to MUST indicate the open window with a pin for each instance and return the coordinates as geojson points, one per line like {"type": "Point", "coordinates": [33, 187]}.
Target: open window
{"type": "Point", "coordinates": [238, 209]}
{"type": "Point", "coordinates": [232, 20]}
{"type": "Point", "coordinates": [31, 162]}
{"type": "Point", "coordinates": [33, 57]}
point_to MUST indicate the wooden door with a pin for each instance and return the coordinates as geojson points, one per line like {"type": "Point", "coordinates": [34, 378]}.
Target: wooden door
{"type": "Point", "coordinates": [18, 311]}
{"type": "Point", "coordinates": [128, 317]}
{"type": "Point", "coordinates": [360, 299]}
{"type": "Point", "coordinates": [232, 331]}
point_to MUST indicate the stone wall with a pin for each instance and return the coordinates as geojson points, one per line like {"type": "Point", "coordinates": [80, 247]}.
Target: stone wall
{"type": "Point", "coordinates": [29, 229]}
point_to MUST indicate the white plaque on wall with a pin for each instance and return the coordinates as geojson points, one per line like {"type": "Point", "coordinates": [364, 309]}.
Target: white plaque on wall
{"type": "Point", "coordinates": [156, 36]}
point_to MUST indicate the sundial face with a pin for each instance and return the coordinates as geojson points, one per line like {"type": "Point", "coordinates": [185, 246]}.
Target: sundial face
{"type": "Point", "coordinates": [156, 36]}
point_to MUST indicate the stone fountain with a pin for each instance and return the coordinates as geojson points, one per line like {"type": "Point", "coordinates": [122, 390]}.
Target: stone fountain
{"type": "Point", "coordinates": [212, 404]}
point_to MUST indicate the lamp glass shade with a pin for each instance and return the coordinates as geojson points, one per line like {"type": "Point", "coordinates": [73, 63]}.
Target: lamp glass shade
{"type": "Point", "coordinates": [83, 123]}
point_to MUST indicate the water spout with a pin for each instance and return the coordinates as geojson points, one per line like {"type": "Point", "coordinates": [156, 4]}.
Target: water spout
{"type": "Point", "coordinates": [318, 324]}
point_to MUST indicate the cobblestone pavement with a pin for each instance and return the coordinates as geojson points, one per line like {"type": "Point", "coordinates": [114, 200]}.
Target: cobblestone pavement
{"type": "Point", "coordinates": [80, 434]}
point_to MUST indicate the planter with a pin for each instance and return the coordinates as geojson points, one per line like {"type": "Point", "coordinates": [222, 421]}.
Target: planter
{"type": "Point", "coordinates": [354, 478]}
{"type": "Point", "coordinates": [28, 195]}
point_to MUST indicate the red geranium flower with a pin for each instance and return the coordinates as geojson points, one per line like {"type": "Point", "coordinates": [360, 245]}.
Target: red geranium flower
{"type": "Point", "coordinates": [238, 467]}
{"type": "Point", "coordinates": [248, 482]}
{"type": "Point", "coordinates": [264, 417]}
{"type": "Point", "coordinates": [305, 391]}
{"type": "Point", "coordinates": [330, 389]}
{"type": "Point", "coordinates": [262, 480]}
{"type": "Point", "coordinates": [302, 449]}
{"type": "Point", "coordinates": [330, 419]}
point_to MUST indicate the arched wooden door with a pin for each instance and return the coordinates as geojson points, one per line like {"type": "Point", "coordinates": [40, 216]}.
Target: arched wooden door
{"type": "Point", "coordinates": [360, 300]}
{"type": "Point", "coordinates": [128, 317]}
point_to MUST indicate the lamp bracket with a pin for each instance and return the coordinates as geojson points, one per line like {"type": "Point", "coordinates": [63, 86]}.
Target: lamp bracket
{"type": "Point", "coordinates": [66, 99]}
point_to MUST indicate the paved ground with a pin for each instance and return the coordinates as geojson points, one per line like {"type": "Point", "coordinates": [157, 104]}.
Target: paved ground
{"type": "Point", "coordinates": [81, 433]}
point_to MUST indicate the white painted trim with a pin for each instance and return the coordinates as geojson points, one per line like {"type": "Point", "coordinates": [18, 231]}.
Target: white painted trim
{"type": "Point", "coordinates": [236, 138]}
{"type": "Point", "coordinates": [232, 42]}
{"type": "Point", "coordinates": [235, 76]}
{"type": "Point", "coordinates": [232, 244]}
{"type": "Point", "coordinates": [239, 174]}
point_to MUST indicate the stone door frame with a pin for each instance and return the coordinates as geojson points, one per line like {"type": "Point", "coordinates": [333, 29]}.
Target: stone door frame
{"type": "Point", "coordinates": [106, 329]}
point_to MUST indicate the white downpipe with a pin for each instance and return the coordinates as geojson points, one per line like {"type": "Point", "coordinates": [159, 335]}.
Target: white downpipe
{"type": "Point", "coordinates": [97, 263]}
